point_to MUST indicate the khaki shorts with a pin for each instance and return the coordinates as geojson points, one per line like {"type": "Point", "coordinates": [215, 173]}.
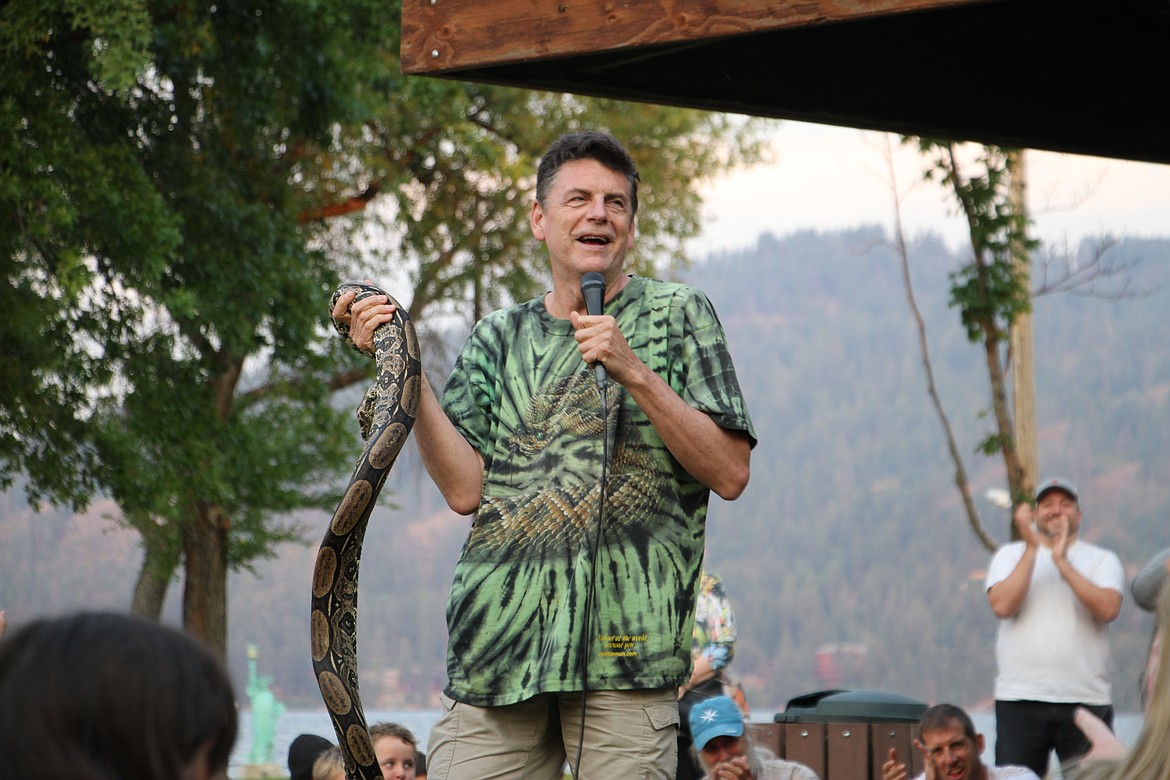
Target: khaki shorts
{"type": "Point", "coordinates": [628, 734]}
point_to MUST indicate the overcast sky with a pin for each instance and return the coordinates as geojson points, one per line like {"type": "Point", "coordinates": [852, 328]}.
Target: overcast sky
{"type": "Point", "coordinates": [827, 178]}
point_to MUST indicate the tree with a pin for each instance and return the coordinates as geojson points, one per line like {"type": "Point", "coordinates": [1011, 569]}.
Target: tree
{"type": "Point", "coordinates": [183, 186]}
{"type": "Point", "coordinates": [992, 290]}
{"type": "Point", "coordinates": [961, 480]}
{"type": "Point", "coordinates": [993, 293]}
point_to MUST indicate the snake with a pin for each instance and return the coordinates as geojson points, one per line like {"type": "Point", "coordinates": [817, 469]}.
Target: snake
{"type": "Point", "coordinates": [386, 416]}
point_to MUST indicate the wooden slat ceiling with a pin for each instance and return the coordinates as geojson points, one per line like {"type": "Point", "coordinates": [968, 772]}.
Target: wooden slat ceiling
{"type": "Point", "coordinates": [1081, 76]}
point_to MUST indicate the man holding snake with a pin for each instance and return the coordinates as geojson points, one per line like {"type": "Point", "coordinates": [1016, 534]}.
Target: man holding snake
{"type": "Point", "coordinates": [547, 605]}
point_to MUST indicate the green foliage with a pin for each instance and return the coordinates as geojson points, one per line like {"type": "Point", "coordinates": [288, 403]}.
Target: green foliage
{"type": "Point", "coordinates": [183, 186]}
{"type": "Point", "coordinates": [461, 181]}
{"type": "Point", "coordinates": [991, 444]}
{"type": "Point", "coordinates": [989, 291]}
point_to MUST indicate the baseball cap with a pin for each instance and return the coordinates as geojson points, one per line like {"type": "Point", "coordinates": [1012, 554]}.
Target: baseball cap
{"type": "Point", "coordinates": [715, 717]}
{"type": "Point", "coordinates": [1057, 483]}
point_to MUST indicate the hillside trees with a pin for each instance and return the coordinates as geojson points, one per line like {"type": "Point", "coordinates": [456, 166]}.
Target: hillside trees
{"type": "Point", "coordinates": [181, 188]}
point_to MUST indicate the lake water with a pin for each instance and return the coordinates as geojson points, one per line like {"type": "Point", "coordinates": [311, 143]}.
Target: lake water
{"type": "Point", "coordinates": [295, 722]}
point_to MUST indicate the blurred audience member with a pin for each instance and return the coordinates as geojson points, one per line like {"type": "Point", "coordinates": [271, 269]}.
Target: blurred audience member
{"type": "Point", "coordinates": [725, 750]}
{"type": "Point", "coordinates": [712, 648]}
{"type": "Point", "coordinates": [951, 750]}
{"type": "Point", "coordinates": [1150, 757]}
{"type": "Point", "coordinates": [1145, 588]}
{"type": "Point", "coordinates": [1055, 595]}
{"type": "Point", "coordinates": [329, 765]}
{"type": "Point", "coordinates": [395, 747]}
{"type": "Point", "coordinates": [104, 696]}
{"type": "Point", "coordinates": [303, 753]}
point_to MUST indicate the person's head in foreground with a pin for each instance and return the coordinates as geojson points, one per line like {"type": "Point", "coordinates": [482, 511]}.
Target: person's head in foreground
{"type": "Point", "coordinates": [100, 695]}
{"type": "Point", "coordinates": [329, 765]}
{"type": "Point", "coordinates": [950, 743]}
{"type": "Point", "coordinates": [719, 737]}
{"type": "Point", "coordinates": [1149, 758]}
{"type": "Point", "coordinates": [395, 747]}
{"type": "Point", "coordinates": [303, 754]}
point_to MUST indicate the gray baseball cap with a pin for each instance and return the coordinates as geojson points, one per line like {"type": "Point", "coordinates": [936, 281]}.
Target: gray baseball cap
{"type": "Point", "coordinates": [1057, 483]}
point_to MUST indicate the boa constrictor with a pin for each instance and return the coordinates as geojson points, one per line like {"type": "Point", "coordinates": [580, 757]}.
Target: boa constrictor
{"type": "Point", "coordinates": [387, 415]}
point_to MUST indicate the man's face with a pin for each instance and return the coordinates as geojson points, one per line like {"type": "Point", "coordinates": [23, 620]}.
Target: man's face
{"type": "Point", "coordinates": [586, 221]}
{"type": "Point", "coordinates": [954, 755]}
{"type": "Point", "coordinates": [1055, 508]}
{"type": "Point", "coordinates": [721, 749]}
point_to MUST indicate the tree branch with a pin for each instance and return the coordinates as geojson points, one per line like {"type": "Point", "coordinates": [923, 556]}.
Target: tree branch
{"type": "Point", "coordinates": [961, 479]}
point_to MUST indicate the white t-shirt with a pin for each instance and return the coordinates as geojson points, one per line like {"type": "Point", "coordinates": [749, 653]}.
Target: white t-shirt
{"type": "Point", "coordinates": [1003, 773]}
{"type": "Point", "coordinates": [1052, 649]}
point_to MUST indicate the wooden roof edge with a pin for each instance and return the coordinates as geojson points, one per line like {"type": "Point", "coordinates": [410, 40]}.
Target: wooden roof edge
{"type": "Point", "coordinates": [454, 35]}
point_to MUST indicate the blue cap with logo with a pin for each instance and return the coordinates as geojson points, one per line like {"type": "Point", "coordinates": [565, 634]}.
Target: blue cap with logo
{"type": "Point", "coordinates": [715, 717]}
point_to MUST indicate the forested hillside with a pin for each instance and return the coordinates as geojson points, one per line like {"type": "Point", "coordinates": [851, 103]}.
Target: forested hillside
{"type": "Point", "coordinates": [852, 532]}
{"type": "Point", "coordinates": [848, 559]}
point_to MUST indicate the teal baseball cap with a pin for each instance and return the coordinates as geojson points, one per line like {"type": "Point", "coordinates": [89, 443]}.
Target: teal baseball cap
{"type": "Point", "coordinates": [715, 717]}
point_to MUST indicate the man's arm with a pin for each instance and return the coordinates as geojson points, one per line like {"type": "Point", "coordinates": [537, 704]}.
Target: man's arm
{"type": "Point", "coordinates": [1007, 595]}
{"type": "Point", "coordinates": [716, 456]}
{"type": "Point", "coordinates": [453, 464]}
{"type": "Point", "coordinates": [1103, 603]}
{"type": "Point", "coordinates": [1148, 582]}
{"type": "Point", "coordinates": [1103, 743]}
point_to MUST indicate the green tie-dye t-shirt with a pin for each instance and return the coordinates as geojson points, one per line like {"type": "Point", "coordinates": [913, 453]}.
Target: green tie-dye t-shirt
{"type": "Point", "coordinates": [523, 397]}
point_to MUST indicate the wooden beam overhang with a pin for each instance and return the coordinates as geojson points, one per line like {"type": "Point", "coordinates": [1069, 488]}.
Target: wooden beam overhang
{"type": "Point", "coordinates": [1081, 76]}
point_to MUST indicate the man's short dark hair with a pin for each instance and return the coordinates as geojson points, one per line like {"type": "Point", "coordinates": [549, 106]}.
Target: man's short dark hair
{"type": "Point", "coordinates": [941, 716]}
{"type": "Point", "coordinates": [588, 145]}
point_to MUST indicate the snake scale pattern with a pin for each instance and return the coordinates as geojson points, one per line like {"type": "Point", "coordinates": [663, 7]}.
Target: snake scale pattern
{"type": "Point", "coordinates": [386, 416]}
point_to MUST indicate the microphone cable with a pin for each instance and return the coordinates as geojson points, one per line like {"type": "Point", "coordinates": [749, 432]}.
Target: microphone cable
{"type": "Point", "coordinates": [591, 594]}
{"type": "Point", "coordinates": [593, 294]}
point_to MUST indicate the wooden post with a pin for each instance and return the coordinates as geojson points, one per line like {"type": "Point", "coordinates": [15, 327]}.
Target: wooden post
{"type": "Point", "coordinates": [1023, 373]}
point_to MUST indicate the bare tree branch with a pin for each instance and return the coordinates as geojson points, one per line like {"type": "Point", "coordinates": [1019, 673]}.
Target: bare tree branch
{"type": "Point", "coordinates": [961, 480]}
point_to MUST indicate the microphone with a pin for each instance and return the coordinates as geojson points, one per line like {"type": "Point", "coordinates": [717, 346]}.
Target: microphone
{"type": "Point", "coordinates": [593, 291]}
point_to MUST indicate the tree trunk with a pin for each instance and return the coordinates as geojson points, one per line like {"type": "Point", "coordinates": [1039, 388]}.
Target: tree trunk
{"type": "Point", "coordinates": [1023, 370]}
{"type": "Point", "coordinates": [205, 552]}
{"type": "Point", "coordinates": [158, 566]}
{"type": "Point", "coordinates": [1002, 410]}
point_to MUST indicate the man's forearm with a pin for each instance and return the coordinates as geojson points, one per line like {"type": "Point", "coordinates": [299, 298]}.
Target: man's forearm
{"type": "Point", "coordinates": [1104, 604]}
{"type": "Point", "coordinates": [715, 456]}
{"type": "Point", "coordinates": [1007, 596]}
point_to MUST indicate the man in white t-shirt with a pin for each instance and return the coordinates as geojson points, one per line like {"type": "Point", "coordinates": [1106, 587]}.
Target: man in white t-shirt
{"type": "Point", "coordinates": [1055, 595]}
{"type": "Point", "coordinates": [951, 750]}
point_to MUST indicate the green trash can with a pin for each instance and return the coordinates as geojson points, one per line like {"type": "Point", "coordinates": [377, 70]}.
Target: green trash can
{"type": "Point", "coordinates": [863, 706]}
{"type": "Point", "coordinates": [847, 735]}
